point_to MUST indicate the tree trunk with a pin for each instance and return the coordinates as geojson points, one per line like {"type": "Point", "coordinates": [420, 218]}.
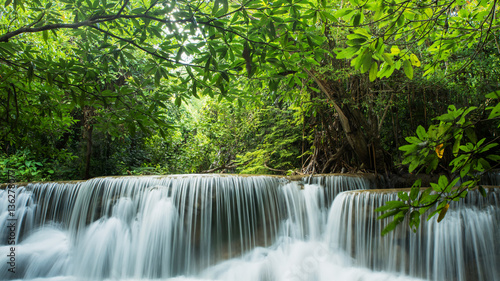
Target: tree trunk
{"type": "Point", "coordinates": [88, 152]}
{"type": "Point", "coordinates": [361, 137]}
{"type": "Point", "coordinates": [88, 120]}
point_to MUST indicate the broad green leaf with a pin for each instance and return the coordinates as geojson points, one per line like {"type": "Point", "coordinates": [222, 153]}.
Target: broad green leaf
{"type": "Point", "coordinates": [413, 166]}
{"type": "Point", "coordinates": [157, 77]}
{"type": "Point", "coordinates": [388, 59]}
{"type": "Point", "coordinates": [493, 95]}
{"type": "Point", "coordinates": [45, 34]}
{"type": "Point", "coordinates": [403, 196]}
{"type": "Point", "coordinates": [482, 190]}
{"type": "Point", "coordinates": [408, 69]}
{"type": "Point", "coordinates": [415, 189]}
{"type": "Point", "coordinates": [358, 19]}
{"type": "Point", "coordinates": [414, 60]}
{"type": "Point", "coordinates": [388, 214]}
{"type": "Point", "coordinates": [495, 112]}
{"type": "Point", "coordinates": [436, 187]}
{"type": "Point", "coordinates": [348, 53]}
{"type": "Point", "coordinates": [471, 134]}
{"type": "Point", "coordinates": [421, 133]}
{"type": "Point", "coordinates": [443, 182]}
{"type": "Point", "coordinates": [409, 148]}
{"type": "Point", "coordinates": [373, 72]}
{"type": "Point", "coordinates": [414, 220]}
{"type": "Point", "coordinates": [392, 225]}
{"type": "Point", "coordinates": [366, 61]}
{"type": "Point", "coordinates": [390, 205]}
{"type": "Point", "coordinates": [456, 145]}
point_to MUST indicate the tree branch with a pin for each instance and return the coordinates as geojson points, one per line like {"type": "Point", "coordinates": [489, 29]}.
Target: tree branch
{"type": "Point", "coordinates": [131, 42]}
{"type": "Point", "coordinates": [89, 22]}
{"type": "Point", "coordinates": [274, 170]}
{"type": "Point", "coordinates": [223, 167]}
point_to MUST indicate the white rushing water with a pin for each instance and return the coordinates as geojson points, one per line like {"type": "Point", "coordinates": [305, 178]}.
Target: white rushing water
{"type": "Point", "coordinates": [236, 228]}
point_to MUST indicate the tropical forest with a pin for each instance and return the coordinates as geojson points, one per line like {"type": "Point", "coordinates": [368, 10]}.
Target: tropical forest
{"type": "Point", "coordinates": [250, 140]}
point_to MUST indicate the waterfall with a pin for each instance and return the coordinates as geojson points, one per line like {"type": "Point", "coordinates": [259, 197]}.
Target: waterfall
{"type": "Point", "coordinates": [464, 246]}
{"type": "Point", "coordinates": [214, 227]}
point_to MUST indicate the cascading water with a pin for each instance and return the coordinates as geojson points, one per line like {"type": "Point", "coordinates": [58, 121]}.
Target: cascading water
{"type": "Point", "coordinates": [227, 228]}
{"type": "Point", "coordinates": [464, 246]}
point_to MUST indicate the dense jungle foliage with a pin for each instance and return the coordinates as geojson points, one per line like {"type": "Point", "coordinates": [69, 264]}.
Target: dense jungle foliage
{"type": "Point", "coordinates": [114, 87]}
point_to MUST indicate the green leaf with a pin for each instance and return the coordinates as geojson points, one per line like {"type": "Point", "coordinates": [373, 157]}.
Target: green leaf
{"type": "Point", "coordinates": [31, 72]}
{"type": "Point", "coordinates": [471, 134]}
{"type": "Point", "coordinates": [354, 2]}
{"type": "Point", "coordinates": [131, 128]}
{"type": "Point", "coordinates": [414, 220]}
{"type": "Point", "coordinates": [390, 205]}
{"type": "Point", "coordinates": [157, 77]}
{"type": "Point", "coordinates": [456, 145]}
{"type": "Point", "coordinates": [484, 163]}
{"type": "Point", "coordinates": [409, 148]}
{"type": "Point", "coordinates": [403, 196]}
{"type": "Point", "coordinates": [408, 69]}
{"type": "Point", "coordinates": [348, 53]}
{"type": "Point", "coordinates": [225, 7]}
{"type": "Point", "coordinates": [365, 60]}
{"type": "Point", "coordinates": [493, 95]}
{"type": "Point", "coordinates": [452, 184]}
{"type": "Point", "coordinates": [388, 214]}
{"type": "Point", "coordinates": [357, 19]}
{"type": "Point", "coordinates": [443, 182]}
{"type": "Point", "coordinates": [373, 72]}
{"type": "Point", "coordinates": [426, 197]}
{"type": "Point", "coordinates": [216, 7]}
{"type": "Point", "coordinates": [436, 187]}
{"type": "Point", "coordinates": [415, 189]}
{"type": "Point", "coordinates": [421, 133]}
{"type": "Point", "coordinates": [482, 190]}
{"type": "Point", "coordinates": [495, 112]}
{"type": "Point", "coordinates": [387, 59]}
{"type": "Point", "coordinates": [493, 157]}
{"type": "Point", "coordinates": [398, 218]}
{"type": "Point", "coordinates": [413, 166]}
{"type": "Point", "coordinates": [343, 12]}
{"type": "Point", "coordinates": [356, 41]}
{"type": "Point", "coordinates": [414, 140]}
{"type": "Point", "coordinates": [45, 35]}
{"type": "Point", "coordinates": [330, 16]}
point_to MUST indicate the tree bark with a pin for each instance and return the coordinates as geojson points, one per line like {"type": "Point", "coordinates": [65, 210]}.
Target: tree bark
{"type": "Point", "coordinates": [88, 126]}
{"type": "Point", "coordinates": [361, 138]}
{"type": "Point", "coordinates": [88, 152]}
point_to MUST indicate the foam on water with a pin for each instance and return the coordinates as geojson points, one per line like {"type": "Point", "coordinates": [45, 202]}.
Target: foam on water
{"type": "Point", "coordinates": [237, 228]}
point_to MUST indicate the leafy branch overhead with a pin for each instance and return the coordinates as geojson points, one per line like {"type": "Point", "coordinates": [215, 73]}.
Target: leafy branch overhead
{"type": "Point", "coordinates": [471, 159]}
{"type": "Point", "coordinates": [215, 40]}
{"type": "Point", "coordinates": [387, 36]}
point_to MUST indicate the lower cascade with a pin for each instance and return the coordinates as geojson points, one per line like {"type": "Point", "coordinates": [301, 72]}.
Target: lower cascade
{"type": "Point", "coordinates": [199, 227]}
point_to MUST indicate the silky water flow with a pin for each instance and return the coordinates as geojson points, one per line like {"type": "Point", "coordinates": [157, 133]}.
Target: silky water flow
{"type": "Point", "coordinates": [199, 227]}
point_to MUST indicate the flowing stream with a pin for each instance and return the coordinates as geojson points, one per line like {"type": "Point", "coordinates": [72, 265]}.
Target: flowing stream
{"type": "Point", "coordinates": [201, 227]}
